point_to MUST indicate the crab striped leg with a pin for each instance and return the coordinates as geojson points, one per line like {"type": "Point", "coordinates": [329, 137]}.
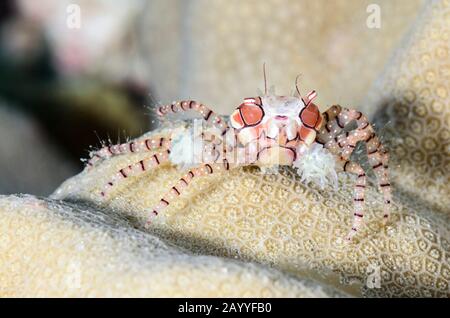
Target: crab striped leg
{"type": "Point", "coordinates": [378, 159]}
{"type": "Point", "coordinates": [336, 119]}
{"type": "Point", "coordinates": [136, 169]}
{"type": "Point", "coordinates": [341, 143]}
{"type": "Point", "coordinates": [144, 145]}
{"type": "Point", "coordinates": [358, 195]}
{"type": "Point", "coordinates": [208, 115]}
{"type": "Point", "coordinates": [183, 183]}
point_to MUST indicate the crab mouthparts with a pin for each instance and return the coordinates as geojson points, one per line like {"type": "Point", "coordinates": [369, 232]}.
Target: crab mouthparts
{"type": "Point", "coordinates": [281, 117]}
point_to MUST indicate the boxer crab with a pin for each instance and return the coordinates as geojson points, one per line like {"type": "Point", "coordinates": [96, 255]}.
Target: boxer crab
{"type": "Point", "coordinates": [264, 131]}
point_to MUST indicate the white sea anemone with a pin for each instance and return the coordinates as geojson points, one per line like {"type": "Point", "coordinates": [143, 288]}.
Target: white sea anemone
{"type": "Point", "coordinates": [185, 151]}
{"type": "Point", "coordinates": [317, 166]}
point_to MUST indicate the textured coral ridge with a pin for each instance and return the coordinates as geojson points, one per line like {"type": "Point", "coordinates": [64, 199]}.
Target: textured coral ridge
{"type": "Point", "coordinates": [51, 248]}
{"type": "Point", "coordinates": [413, 98]}
{"type": "Point", "coordinates": [276, 220]}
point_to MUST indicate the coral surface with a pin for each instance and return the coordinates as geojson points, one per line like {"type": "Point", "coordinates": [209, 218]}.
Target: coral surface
{"type": "Point", "coordinates": [252, 234]}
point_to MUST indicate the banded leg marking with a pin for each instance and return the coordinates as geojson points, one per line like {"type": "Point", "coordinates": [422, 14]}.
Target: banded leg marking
{"type": "Point", "coordinates": [144, 145]}
{"type": "Point", "coordinates": [136, 169]}
{"type": "Point", "coordinates": [358, 195]}
{"type": "Point", "coordinates": [208, 115]}
{"type": "Point", "coordinates": [342, 143]}
{"type": "Point", "coordinates": [183, 183]}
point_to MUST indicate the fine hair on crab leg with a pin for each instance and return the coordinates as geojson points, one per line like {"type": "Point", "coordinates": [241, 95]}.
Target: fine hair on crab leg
{"type": "Point", "coordinates": [136, 169]}
{"type": "Point", "coordinates": [183, 183]}
{"type": "Point", "coordinates": [340, 142]}
{"type": "Point", "coordinates": [358, 195]}
{"type": "Point", "coordinates": [144, 145]}
{"type": "Point", "coordinates": [208, 115]}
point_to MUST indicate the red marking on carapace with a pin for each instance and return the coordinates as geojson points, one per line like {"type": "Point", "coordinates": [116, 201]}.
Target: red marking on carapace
{"type": "Point", "coordinates": [252, 115]}
{"type": "Point", "coordinates": [310, 115]}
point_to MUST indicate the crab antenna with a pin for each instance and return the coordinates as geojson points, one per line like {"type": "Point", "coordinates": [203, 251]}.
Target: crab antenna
{"type": "Point", "coordinates": [265, 78]}
{"type": "Point", "coordinates": [296, 86]}
{"type": "Point", "coordinates": [311, 95]}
